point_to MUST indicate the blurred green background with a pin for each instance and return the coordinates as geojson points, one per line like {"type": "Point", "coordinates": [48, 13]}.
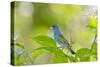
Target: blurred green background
{"type": "Point", "coordinates": [34, 19]}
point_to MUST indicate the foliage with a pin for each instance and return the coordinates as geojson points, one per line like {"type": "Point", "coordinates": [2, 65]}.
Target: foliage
{"type": "Point", "coordinates": [48, 44]}
{"type": "Point", "coordinates": [45, 41]}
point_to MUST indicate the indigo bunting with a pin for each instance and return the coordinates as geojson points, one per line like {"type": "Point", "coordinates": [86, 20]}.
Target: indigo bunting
{"type": "Point", "coordinates": [59, 38]}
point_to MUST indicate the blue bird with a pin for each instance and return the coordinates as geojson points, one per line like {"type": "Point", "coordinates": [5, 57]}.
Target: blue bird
{"type": "Point", "coordinates": [59, 38]}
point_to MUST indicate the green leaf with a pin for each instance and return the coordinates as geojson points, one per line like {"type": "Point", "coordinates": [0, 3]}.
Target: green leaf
{"type": "Point", "coordinates": [36, 53]}
{"type": "Point", "coordinates": [52, 50]}
{"type": "Point", "coordinates": [93, 22]}
{"type": "Point", "coordinates": [45, 41]}
{"type": "Point", "coordinates": [94, 48]}
{"type": "Point", "coordinates": [93, 57]}
{"type": "Point", "coordinates": [59, 56]}
{"type": "Point", "coordinates": [60, 59]}
{"type": "Point", "coordinates": [19, 59]}
{"type": "Point", "coordinates": [94, 51]}
{"type": "Point", "coordinates": [83, 54]}
{"type": "Point", "coordinates": [50, 45]}
{"type": "Point", "coordinates": [19, 45]}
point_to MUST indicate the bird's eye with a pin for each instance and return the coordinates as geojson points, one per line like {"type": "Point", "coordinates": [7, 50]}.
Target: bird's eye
{"type": "Point", "coordinates": [53, 25]}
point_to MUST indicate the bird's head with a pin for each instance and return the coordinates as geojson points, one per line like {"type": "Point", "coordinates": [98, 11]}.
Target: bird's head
{"type": "Point", "coordinates": [54, 26]}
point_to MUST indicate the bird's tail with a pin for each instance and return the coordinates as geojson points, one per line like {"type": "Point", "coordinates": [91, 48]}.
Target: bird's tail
{"type": "Point", "coordinates": [72, 51]}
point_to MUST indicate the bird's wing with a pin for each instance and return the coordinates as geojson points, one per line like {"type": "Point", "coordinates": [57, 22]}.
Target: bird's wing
{"type": "Point", "coordinates": [65, 43]}
{"type": "Point", "coordinates": [62, 40]}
